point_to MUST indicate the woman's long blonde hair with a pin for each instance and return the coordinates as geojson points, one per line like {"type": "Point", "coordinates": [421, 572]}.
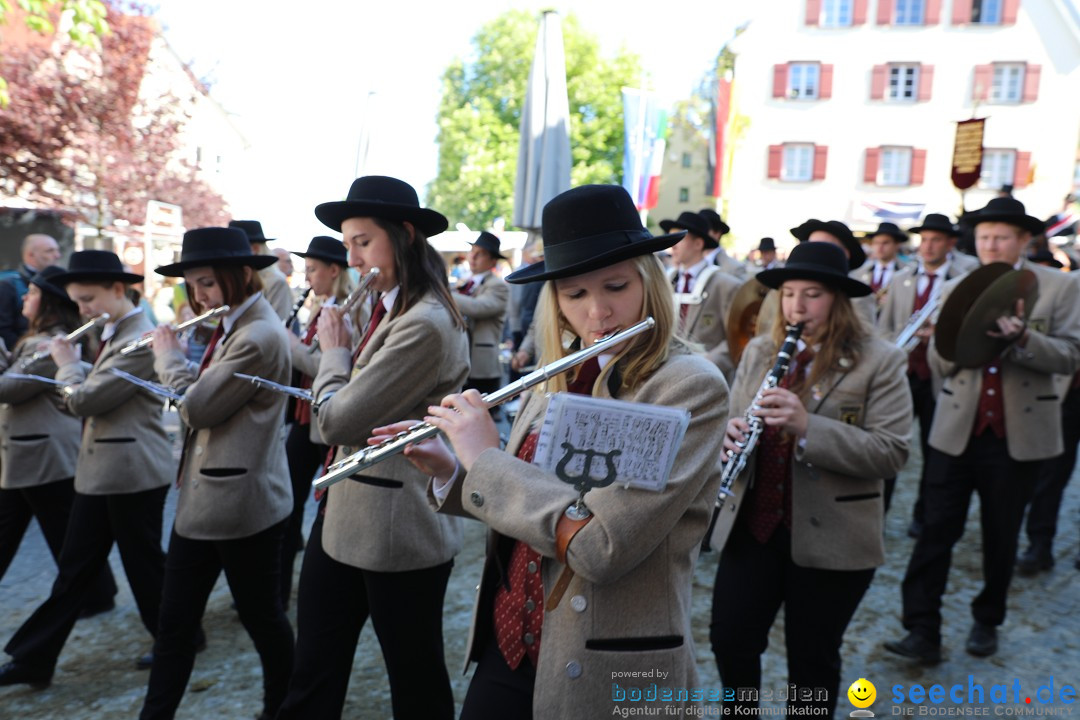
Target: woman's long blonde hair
{"type": "Point", "coordinates": [643, 355]}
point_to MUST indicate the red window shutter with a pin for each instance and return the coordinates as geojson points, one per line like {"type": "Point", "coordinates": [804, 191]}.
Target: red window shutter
{"type": "Point", "coordinates": [918, 166]}
{"type": "Point", "coordinates": [932, 13]}
{"type": "Point", "coordinates": [1031, 82]}
{"type": "Point", "coordinates": [825, 91]}
{"type": "Point", "coordinates": [779, 81]}
{"type": "Point", "coordinates": [1009, 11]}
{"type": "Point", "coordinates": [873, 157]}
{"type": "Point", "coordinates": [961, 12]}
{"type": "Point", "coordinates": [926, 82]}
{"type": "Point", "coordinates": [813, 11]}
{"type": "Point", "coordinates": [821, 154]}
{"type": "Point", "coordinates": [1023, 169]}
{"type": "Point", "coordinates": [877, 82]}
{"type": "Point", "coordinates": [984, 76]}
{"type": "Point", "coordinates": [776, 160]}
{"type": "Point", "coordinates": [858, 13]}
{"type": "Point", "coordinates": [884, 11]}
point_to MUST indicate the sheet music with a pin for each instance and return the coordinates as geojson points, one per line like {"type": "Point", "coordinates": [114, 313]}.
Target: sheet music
{"type": "Point", "coordinates": [639, 439]}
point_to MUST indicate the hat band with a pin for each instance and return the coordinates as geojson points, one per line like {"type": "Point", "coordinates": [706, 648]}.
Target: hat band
{"type": "Point", "coordinates": [570, 253]}
{"type": "Point", "coordinates": [214, 254]}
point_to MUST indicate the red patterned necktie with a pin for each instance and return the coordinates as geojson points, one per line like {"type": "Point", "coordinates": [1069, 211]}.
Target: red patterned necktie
{"type": "Point", "coordinates": [466, 289]}
{"type": "Point", "coordinates": [684, 308]}
{"type": "Point", "coordinates": [219, 331]}
{"type": "Point", "coordinates": [918, 364]}
{"type": "Point", "coordinates": [376, 317]}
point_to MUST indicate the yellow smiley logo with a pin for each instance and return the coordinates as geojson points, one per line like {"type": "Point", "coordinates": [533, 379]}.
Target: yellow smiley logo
{"type": "Point", "coordinates": [862, 693]}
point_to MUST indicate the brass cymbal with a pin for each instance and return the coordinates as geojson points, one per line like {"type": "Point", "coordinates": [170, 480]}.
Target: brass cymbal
{"type": "Point", "coordinates": [742, 316]}
{"type": "Point", "coordinates": [974, 348]}
{"type": "Point", "coordinates": [955, 309]}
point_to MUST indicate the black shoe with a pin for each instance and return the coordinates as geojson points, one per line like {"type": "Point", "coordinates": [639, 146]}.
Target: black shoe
{"type": "Point", "coordinates": [15, 673]}
{"type": "Point", "coordinates": [146, 661]}
{"type": "Point", "coordinates": [982, 640]}
{"type": "Point", "coordinates": [89, 610]}
{"type": "Point", "coordinates": [1034, 560]}
{"type": "Point", "coordinates": [917, 647]}
{"type": "Point", "coordinates": [914, 530]}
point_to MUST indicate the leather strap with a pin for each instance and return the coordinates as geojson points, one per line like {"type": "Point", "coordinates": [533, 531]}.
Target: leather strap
{"type": "Point", "coordinates": [565, 531]}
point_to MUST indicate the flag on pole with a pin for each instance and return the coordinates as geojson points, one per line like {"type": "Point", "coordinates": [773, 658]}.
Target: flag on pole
{"type": "Point", "coordinates": [646, 138]}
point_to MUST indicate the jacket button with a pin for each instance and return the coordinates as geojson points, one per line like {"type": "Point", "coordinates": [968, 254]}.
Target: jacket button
{"type": "Point", "coordinates": [573, 669]}
{"type": "Point", "coordinates": [529, 639]}
{"type": "Point", "coordinates": [531, 567]}
{"type": "Point", "coordinates": [814, 521]}
{"type": "Point", "coordinates": [579, 603]}
{"type": "Point", "coordinates": [476, 498]}
{"type": "Point", "coordinates": [529, 605]}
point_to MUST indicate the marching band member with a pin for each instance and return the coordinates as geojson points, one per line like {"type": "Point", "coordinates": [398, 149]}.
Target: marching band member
{"type": "Point", "coordinates": [235, 495]}
{"type": "Point", "coordinates": [114, 502]}
{"type": "Point", "coordinates": [326, 265]}
{"type": "Point", "coordinates": [275, 286]}
{"type": "Point", "coordinates": [878, 271]}
{"type": "Point", "coordinates": [992, 426]}
{"type": "Point", "coordinates": [482, 300]}
{"type": "Point", "coordinates": [39, 441]}
{"type": "Point", "coordinates": [716, 255]}
{"type": "Point", "coordinates": [376, 549]}
{"type": "Point", "coordinates": [809, 534]}
{"type": "Point", "coordinates": [627, 604]}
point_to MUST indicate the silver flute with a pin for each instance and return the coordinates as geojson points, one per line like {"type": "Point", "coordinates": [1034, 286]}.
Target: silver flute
{"type": "Point", "coordinates": [362, 290]}
{"type": "Point", "coordinates": [70, 337]}
{"type": "Point", "coordinates": [192, 323]}
{"type": "Point", "coordinates": [422, 431]}
{"type": "Point", "coordinates": [288, 390]}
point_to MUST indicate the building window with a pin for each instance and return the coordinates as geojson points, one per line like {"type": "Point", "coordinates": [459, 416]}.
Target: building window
{"type": "Point", "coordinates": [909, 12]}
{"type": "Point", "coordinates": [686, 160]}
{"type": "Point", "coordinates": [836, 13]}
{"type": "Point", "coordinates": [998, 168]}
{"type": "Point", "coordinates": [684, 195]}
{"type": "Point", "coordinates": [986, 11]}
{"type": "Point", "coordinates": [895, 166]}
{"type": "Point", "coordinates": [1007, 83]}
{"type": "Point", "coordinates": [798, 163]}
{"type": "Point", "coordinates": [803, 81]}
{"type": "Point", "coordinates": [903, 83]}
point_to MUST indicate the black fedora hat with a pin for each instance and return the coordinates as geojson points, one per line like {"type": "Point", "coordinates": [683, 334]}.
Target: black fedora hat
{"type": "Point", "coordinates": [590, 227]}
{"type": "Point", "coordinates": [938, 222]}
{"type": "Point", "coordinates": [890, 229]}
{"type": "Point", "coordinates": [1043, 256]}
{"type": "Point", "coordinates": [381, 197]}
{"type": "Point", "coordinates": [820, 261]}
{"type": "Point", "coordinates": [327, 249]}
{"type": "Point", "coordinates": [766, 244]}
{"type": "Point", "coordinates": [692, 223]}
{"type": "Point", "coordinates": [211, 246]}
{"type": "Point", "coordinates": [252, 228]}
{"type": "Point", "coordinates": [716, 223]}
{"type": "Point", "coordinates": [489, 242]}
{"type": "Point", "coordinates": [95, 266]}
{"type": "Point", "coordinates": [1008, 210]}
{"type": "Point", "coordinates": [800, 231]}
{"type": "Point", "coordinates": [45, 277]}
{"type": "Point", "coordinates": [840, 231]}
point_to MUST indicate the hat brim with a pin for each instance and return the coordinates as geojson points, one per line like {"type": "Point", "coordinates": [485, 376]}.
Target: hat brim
{"type": "Point", "coordinates": [257, 262]}
{"type": "Point", "coordinates": [493, 253]}
{"type": "Point", "coordinates": [538, 270]}
{"type": "Point", "coordinates": [101, 276]}
{"type": "Point", "coordinates": [1027, 222]}
{"type": "Point", "coordinates": [778, 276]}
{"type": "Point", "coordinates": [948, 231]}
{"type": "Point", "coordinates": [899, 237]}
{"type": "Point", "coordinates": [332, 214]}
{"type": "Point", "coordinates": [50, 287]}
{"type": "Point", "coordinates": [710, 242]}
{"type": "Point", "coordinates": [325, 258]}
{"type": "Point", "coordinates": [856, 255]}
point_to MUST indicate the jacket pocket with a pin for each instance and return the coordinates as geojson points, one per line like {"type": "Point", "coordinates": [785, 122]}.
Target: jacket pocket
{"type": "Point", "coordinates": [223, 472]}
{"type": "Point", "coordinates": [946, 391]}
{"type": "Point", "coordinates": [635, 644]}
{"type": "Point", "coordinates": [29, 438]}
{"type": "Point", "coordinates": [115, 440]}
{"type": "Point", "coordinates": [1046, 397]}
{"type": "Point", "coordinates": [378, 482]}
{"type": "Point", "coordinates": [860, 496]}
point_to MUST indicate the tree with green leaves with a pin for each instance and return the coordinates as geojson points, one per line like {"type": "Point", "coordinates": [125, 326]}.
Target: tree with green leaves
{"type": "Point", "coordinates": [480, 113]}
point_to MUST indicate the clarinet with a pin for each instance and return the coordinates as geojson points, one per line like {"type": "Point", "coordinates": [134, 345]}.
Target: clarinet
{"type": "Point", "coordinates": [299, 304]}
{"type": "Point", "coordinates": [736, 462]}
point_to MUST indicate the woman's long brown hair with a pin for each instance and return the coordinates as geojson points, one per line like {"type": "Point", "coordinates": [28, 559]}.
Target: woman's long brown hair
{"type": "Point", "coordinates": [420, 269]}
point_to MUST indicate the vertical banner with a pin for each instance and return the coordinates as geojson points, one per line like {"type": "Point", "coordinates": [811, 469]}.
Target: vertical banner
{"type": "Point", "coordinates": [968, 153]}
{"type": "Point", "coordinates": [717, 146]}
{"type": "Point", "coordinates": [645, 127]}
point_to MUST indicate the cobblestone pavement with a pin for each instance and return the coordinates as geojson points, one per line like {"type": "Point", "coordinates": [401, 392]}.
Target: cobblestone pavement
{"type": "Point", "coordinates": [96, 677]}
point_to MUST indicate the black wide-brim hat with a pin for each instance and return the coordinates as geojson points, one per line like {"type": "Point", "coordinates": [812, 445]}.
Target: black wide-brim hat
{"type": "Point", "coordinates": [45, 278]}
{"type": "Point", "coordinates": [1008, 210]}
{"type": "Point", "coordinates": [715, 221]}
{"type": "Point", "coordinates": [215, 247]}
{"type": "Point", "coordinates": [1043, 256]}
{"type": "Point", "coordinates": [388, 198]}
{"type": "Point", "coordinates": [489, 242]}
{"type": "Point", "coordinates": [890, 229]}
{"type": "Point", "coordinates": [95, 266]}
{"type": "Point", "coordinates": [819, 261]}
{"type": "Point", "coordinates": [692, 223]}
{"type": "Point", "coordinates": [587, 228]}
{"type": "Point", "coordinates": [327, 249]}
{"type": "Point", "coordinates": [938, 222]}
{"type": "Point", "coordinates": [253, 230]}
{"type": "Point", "coordinates": [840, 231]}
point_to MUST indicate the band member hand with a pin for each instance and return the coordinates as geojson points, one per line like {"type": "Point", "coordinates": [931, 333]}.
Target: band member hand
{"type": "Point", "coordinates": [432, 456]}
{"type": "Point", "coordinates": [736, 432]}
{"type": "Point", "coordinates": [63, 352]}
{"type": "Point", "coordinates": [333, 332]}
{"type": "Point", "coordinates": [782, 408]}
{"type": "Point", "coordinates": [519, 360]}
{"type": "Point", "coordinates": [1011, 327]}
{"type": "Point", "coordinates": [465, 421]}
{"type": "Point", "coordinates": [165, 340]}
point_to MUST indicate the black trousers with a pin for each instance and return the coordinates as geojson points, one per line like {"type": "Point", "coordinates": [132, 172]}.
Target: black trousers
{"type": "Point", "coordinates": [333, 604]}
{"type": "Point", "coordinates": [1004, 486]}
{"type": "Point", "coordinates": [496, 692]}
{"type": "Point", "coordinates": [305, 458]}
{"type": "Point", "coordinates": [752, 581]}
{"type": "Point", "coordinates": [133, 521]}
{"type": "Point", "coordinates": [924, 402]}
{"type": "Point", "coordinates": [251, 566]}
{"type": "Point", "coordinates": [51, 505]}
{"type": "Point", "coordinates": [1054, 475]}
